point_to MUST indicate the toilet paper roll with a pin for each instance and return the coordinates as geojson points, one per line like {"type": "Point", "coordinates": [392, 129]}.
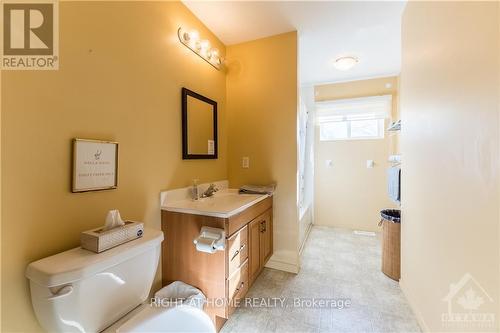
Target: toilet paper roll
{"type": "Point", "coordinates": [205, 245]}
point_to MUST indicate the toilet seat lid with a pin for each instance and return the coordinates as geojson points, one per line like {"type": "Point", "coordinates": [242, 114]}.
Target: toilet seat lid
{"type": "Point", "coordinates": [182, 318]}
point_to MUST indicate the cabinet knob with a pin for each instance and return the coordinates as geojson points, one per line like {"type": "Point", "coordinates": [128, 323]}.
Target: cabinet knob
{"type": "Point", "coordinates": [239, 288]}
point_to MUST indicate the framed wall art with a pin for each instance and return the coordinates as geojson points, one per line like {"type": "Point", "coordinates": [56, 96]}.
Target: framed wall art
{"type": "Point", "coordinates": [95, 165]}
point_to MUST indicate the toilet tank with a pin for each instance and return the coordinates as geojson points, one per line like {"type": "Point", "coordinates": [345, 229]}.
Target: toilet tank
{"type": "Point", "coordinates": [82, 291]}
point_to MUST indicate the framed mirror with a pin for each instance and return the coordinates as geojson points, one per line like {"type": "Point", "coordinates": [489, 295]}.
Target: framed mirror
{"type": "Point", "coordinates": [199, 126]}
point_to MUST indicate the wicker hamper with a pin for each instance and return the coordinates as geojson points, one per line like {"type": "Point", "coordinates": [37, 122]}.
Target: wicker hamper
{"type": "Point", "coordinates": [391, 243]}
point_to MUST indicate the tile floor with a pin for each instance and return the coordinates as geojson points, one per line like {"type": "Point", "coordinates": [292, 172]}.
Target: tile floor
{"type": "Point", "coordinates": [336, 264]}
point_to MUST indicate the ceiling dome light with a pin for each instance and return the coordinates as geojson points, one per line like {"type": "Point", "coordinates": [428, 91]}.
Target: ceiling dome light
{"type": "Point", "coordinates": [345, 63]}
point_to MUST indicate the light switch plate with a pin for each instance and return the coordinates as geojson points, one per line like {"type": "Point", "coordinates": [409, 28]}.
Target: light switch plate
{"type": "Point", "coordinates": [245, 162]}
{"type": "Point", "coordinates": [211, 147]}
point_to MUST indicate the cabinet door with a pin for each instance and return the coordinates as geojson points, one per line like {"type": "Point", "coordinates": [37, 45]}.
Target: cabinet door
{"type": "Point", "coordinates": [254, 247]}
{"type": "Point", "coordinates": [266, 238]}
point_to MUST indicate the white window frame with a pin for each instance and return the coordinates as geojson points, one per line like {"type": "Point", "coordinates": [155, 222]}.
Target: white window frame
{"type": "Point", "coordinates": [380, 131]}
{"type": "Point", "coordinates": [349, 110]}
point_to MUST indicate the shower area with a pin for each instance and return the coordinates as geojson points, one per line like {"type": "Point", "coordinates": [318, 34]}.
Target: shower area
{"type": "Point", "coordinates": [306, 162]}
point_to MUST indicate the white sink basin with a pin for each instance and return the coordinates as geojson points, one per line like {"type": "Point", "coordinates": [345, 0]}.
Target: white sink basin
{"type": "Point", "coordinates": [225, 203]}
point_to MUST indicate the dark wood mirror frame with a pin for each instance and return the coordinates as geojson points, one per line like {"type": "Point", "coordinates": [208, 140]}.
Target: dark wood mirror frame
{"type": "Point", "coordinates": [185, 153]}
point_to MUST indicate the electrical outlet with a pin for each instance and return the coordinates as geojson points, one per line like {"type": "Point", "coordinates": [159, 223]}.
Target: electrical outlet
{"type": "Point", "coordinates": [245, 162]}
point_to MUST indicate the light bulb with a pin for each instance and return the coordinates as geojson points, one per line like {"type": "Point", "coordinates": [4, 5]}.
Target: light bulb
{"type": "Point", "coordinates": [193, 35]}
{"type": "Point", "coordinates": [214, 53]}
{"type": "Point", "coordinates": [205, 45]}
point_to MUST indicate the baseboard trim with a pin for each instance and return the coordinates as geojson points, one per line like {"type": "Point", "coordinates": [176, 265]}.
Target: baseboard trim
{"type": "Point", "coordinates": [416, 312]}
{"type": "Point", "coordinates": [283, 266]}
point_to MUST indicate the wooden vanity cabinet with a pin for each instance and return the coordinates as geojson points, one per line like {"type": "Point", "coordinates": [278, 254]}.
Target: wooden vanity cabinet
{"type": "Point", "coordinates": [224, 275]}
{"type": "Point", "coordinates": [260, 242]}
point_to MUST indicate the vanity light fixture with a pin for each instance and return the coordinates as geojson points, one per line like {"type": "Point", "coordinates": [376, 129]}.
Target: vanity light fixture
{"type": "Point", "coordinates": [345, 63]}
{"type": "Point", "coordinates": [191, 39]}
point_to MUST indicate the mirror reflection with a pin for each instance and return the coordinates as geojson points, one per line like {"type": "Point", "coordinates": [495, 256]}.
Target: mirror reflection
{"type": "Point", "coordinates": [199, 126]}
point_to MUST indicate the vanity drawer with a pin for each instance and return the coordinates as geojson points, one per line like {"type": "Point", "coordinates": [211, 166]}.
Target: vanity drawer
{"type": "Point", "coordinates": [237, 250]}
{"type": "Point", "coordinates": [234, 223]}
{"type": "Point", "coordinates": [237, 286]}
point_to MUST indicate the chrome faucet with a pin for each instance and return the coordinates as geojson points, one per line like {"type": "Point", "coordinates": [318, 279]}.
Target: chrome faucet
{"type": "Point", "coordinates": [210, 191]}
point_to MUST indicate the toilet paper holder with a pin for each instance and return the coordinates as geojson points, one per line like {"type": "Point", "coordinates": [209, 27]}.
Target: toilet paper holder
{"type": "Point", "coordinates": [210, 240]}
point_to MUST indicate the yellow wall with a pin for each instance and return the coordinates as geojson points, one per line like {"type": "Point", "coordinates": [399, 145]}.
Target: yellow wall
{"type": "Point", "coordinates": [450, 145]}
{"type": "Point", "coordinates": [348, 194]}
{"type": "Point", "coordinates": [262, 124]}
{"type": "Point", "coordinates": [121, 72]}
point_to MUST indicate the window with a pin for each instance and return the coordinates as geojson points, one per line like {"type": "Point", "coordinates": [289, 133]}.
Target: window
{"type": "Point", "coordinates": [355, 119]}
{"type": "Point", "coordinates": [333, 130]}
{"type": "Point", "coordinates": [351, 129]}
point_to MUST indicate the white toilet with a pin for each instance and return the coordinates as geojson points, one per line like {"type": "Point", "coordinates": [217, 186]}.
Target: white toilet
{"type": "Point", "coordinates": [82, 291]}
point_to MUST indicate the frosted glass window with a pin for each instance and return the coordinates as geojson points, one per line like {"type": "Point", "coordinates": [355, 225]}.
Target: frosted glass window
{"type": "Point", "coordinates": [365, 128]}
{"type": "Point", "coordinates": [359, 129]}
{"type": "Point", "coordinates": [334, 130]}
{"type": "Point", "coordinates": [360, 118]}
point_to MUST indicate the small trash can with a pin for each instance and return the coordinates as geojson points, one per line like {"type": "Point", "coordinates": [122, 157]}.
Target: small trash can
{"type": "Point", "coordinates": [391, 242]}
{"type": "Point", "coordinates": [178, 293]}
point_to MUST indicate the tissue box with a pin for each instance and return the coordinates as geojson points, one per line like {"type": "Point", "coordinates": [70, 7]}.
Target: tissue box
{"type": "Point", "coordinates": [98, 240]}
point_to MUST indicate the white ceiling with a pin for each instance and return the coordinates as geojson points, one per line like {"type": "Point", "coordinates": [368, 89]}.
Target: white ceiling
{"type": "Point", "coordinates": [369, 30]}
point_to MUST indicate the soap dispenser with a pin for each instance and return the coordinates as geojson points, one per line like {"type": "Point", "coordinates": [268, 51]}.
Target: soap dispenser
{"type": "Point", "coordinates": [194, 191]}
